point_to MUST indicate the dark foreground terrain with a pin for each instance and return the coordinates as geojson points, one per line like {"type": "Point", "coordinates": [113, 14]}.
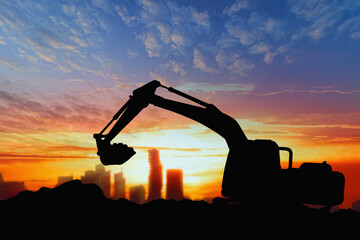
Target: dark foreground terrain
{"type": "Point", "coordinates": [74, 203]}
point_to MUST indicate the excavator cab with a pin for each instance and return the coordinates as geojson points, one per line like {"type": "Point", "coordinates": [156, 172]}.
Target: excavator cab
{"type": "Point", "coordinates": [257, 174]}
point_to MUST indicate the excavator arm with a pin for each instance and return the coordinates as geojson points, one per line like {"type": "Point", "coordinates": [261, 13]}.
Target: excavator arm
{"type": "Point", "coordinates": [206, 114]}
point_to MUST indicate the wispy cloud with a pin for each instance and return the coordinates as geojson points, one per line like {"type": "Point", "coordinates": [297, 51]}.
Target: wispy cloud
{"type": "Point", "coordinates": [165, 25]}
{"type": "Point", "coordinates": [201, 19]}
{"type": "Point", "coordinates": [214, 87]}
{"type": "Point", "coordinates": [314, 91]}
{"type": "Point", "coordinates": [132, 53]}
{"type": "Point", "coordinates": [13, 157]}
{"type": "Point", "coordinates": [323, 16]}
{"type": "Point", "coordinates": [43, 115]}
{"type": "Point", "coordinates": [49, 40]}
{"type": "Point", "coordinates": [2, 40]}
{"type": "Point", "coordinates": [12, 65]}
{"type": "Point", "coordinates": [200, 62]}
{"type": "Point", "coordinates": [176, 67]}
{"type": "Point", "coordinates": [236, 7]}
{"type": "Point", "coordinates": [122, 11]}
{"type": "Point", "coordinates": [351, 26]}
{"type": "Point", "coordinates": [152, 44]}
{"type": "Point", "coordinates": [234, 63]}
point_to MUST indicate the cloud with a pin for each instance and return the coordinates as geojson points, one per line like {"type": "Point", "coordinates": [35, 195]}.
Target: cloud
{"type": "Point", "coordinates": [13, 157]}
{"type": "Point", "coordinates": [355, 35]}
{"type": "Point", "coordinates": [178, 40]}
{"type": "Point", "coordinates": [240, 66]}
{"type": "Point", "coordinates": [48, 34]}
{"type": "Point", "coordinates": [269, 56]}
{"type": "Point", "coordinates": [165, 32]}
{"type": "Point", "coordinates": [176, 67]}
{"type": "Point", "coordinates": [32, 114]}
{"type": "Point", "coordinates": [200, 63]}
{"type": "Point", "coordinates": [2, 40]}
{"type": "Point", "coordinates": [244, 36]}
{"type": "Point", "coordinates": [132, 53]}
{"type": "Point", "coordinates": [201, 19]}
{"type": "Point", "coordinates": [152, 44]}
{"type": "Point", "coordinates": [122, 11]}
{"type": "Point", "coordinates": [313, 91]}
{"type": "Point", "coordinates": [236, 7]}
{"type": "Point", "coordinates": [325, 107]}
{"type": "Point", "coordinates": [69, 9]}
{"type": "Point", "coordinates": [323, 16]}
{"type": "Point", "coordinates": [12, 65]}
{"type": "Point", "coordinates": [43, 149]}
{"type": "Point", "coordinates": [45, 38]}
{"type": "Point", "coordinates": [234, 63]}
{"type": "Point", "coordinates": [249, 30]}
{"type": "Point", "coordinates": [165, 27]}
{"type": "Point", "coordinates": [259, 48]}
{"type": "Point", "coordinates": [350, 26]}
{"type": "Point", "coordinates": [152, 7]}
{"type": "Point", "coordinates": [11, 17]}
{"type": "Point", "coordinates": [159, 77]}
{"type": "Point", "coordinates": [257, 34]}
{"type": "Point", "coordinates": [214, 87]}
{"type": "Point", "coordinates": [118, 84]}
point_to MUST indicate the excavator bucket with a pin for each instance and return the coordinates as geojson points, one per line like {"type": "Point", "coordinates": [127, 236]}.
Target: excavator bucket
{"type": "Point", "coordinates": [113, 154]}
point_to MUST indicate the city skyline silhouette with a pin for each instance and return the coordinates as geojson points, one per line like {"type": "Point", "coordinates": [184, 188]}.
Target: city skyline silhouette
{"type": "Point", "coordinates": [116, 188]}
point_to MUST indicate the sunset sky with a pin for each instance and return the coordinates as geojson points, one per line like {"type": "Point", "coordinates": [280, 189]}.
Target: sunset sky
{"type": "Point", "coordinates": [285, 70]}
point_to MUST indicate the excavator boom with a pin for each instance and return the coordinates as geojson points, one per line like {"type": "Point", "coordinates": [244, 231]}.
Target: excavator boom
{"type": "Point", "coordinates": [208, 115]}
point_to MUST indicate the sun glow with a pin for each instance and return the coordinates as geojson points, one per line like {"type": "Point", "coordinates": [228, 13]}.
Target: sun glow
{"type": "Point", "coordinates": [192, 149]}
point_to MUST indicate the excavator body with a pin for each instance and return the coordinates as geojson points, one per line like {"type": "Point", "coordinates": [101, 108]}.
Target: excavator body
{"type": "Point", "coordinates": [252, 170]}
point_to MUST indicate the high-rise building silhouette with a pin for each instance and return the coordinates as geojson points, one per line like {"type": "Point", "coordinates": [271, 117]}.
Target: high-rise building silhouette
{"type": "Point", "coordinates": [99, 177]}
{"type": "Point", "coordinates": [119, 185]}
{"type": "Point", "coordinates": [155, 175]}
{"type": "Point", "coordinates": [174, 184]}
{"type": "Point", "coordinates": [137, 194]}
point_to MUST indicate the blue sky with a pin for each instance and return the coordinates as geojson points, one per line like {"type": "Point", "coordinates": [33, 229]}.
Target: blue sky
{"type": "Point", "coordinates": [252, 42]}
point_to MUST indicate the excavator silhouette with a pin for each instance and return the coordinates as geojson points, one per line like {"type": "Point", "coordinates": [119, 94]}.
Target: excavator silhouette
{"type": "Point", "coordinates": [252, 170]}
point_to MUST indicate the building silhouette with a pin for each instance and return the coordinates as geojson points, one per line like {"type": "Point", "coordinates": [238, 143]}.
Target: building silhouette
{"type": "Point", "coordinates": [137, 194]}
{"type": "Point", "coordinates": [155, 175]}
{"type": "Point", "coordinates": [174, 184]}
{"type": "Point", "coordinates": [99, 177]}
{"type": "Point", "coordinates": [119, 185]}
{"type": "Point", "coordinates": [10, 189]}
